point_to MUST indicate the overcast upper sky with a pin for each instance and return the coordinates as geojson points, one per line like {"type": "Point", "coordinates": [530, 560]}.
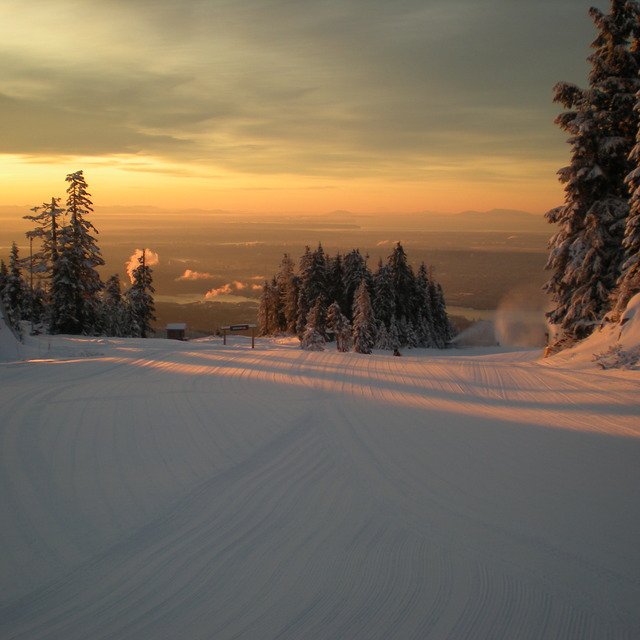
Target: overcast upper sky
{"type": "Point", "coordinates": [219, 98]}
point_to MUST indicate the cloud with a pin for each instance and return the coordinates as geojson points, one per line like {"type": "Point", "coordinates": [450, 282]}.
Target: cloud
{"type": "Point", "coordinates": [229, 289]}
{"type": "Point", "coordinates": [249, 243]}
{"type": "Point", "coordinates": [150, 258]}
{"type": "Point", "coordinates": [360, 87]}
{"type": "Point", "coordinates": [224, 290]}
{"type": "Point", "coordinates": [386, 243]}
{"type": "Point", "coordinates": [195, 275]}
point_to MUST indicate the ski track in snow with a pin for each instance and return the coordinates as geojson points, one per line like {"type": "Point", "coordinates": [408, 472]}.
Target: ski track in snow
{"type": "Point", "coordinates": [162, 490]}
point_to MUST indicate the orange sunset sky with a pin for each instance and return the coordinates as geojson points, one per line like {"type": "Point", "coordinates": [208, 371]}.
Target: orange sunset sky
{"type": "Point", "coordinates": [282, 105]}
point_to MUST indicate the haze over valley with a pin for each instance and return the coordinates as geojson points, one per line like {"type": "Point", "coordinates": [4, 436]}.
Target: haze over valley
{"type": "Point", "coordinates": [212, 264]}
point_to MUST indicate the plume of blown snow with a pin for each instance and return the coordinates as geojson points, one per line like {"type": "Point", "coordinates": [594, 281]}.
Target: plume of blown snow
{"type": "Point", "coordinates": [479, 334]}
{"type": "Point", "coordinates": [520, 319]}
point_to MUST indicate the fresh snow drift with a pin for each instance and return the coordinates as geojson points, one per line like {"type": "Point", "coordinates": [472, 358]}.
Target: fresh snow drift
{"type": "Point", "coordinates": [612, 345]}
{"type": "Point", "coordinates": [155, 489]}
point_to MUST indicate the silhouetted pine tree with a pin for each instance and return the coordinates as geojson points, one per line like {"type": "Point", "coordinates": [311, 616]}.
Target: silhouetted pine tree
{"type": "Point", "coordinates": [47, 218]}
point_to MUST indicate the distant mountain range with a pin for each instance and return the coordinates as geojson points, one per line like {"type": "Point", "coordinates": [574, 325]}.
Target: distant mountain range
{"type": "Point", "coordinates": [492, 220]}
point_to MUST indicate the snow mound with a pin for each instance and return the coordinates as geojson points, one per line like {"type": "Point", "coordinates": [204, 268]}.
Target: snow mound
{"type": "Point", "coordinates": [615, 345]}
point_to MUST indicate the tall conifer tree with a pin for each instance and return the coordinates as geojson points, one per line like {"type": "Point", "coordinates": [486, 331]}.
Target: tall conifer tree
{"type": "Point", "coordinates": [585, 254]}
{"type": "Point", "coordinates": [75, 283]}
{"type": "Point", "coordinates": [364, 322]}
{"type": "Point", "coordinates": [48, 220]}
{"type": "Point", "coordinates": [140, 299]}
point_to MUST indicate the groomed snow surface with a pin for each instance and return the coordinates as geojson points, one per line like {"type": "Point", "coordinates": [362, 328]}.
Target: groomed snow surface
{"type": "Point", "coordinates": [153, 489]}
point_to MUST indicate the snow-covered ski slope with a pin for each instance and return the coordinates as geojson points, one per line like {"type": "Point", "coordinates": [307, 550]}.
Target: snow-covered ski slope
{"type": "Point", "coordinates": [153, 489]}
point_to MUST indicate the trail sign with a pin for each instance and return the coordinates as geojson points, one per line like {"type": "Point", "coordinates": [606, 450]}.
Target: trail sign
{"type": "Point", "coordinates": [239, 327]}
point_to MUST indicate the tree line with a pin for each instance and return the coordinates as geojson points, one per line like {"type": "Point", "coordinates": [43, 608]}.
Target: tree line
{"type": "Point", "coordinates": [595, 253]}
{"type": "Point", "coordinates": [339, 298]}
{"type": "Point", "coordinates": [64, 292]}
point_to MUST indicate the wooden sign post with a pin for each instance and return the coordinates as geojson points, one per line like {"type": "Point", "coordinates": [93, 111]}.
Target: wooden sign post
{"type": "Point", "coordinates": [240, 327]}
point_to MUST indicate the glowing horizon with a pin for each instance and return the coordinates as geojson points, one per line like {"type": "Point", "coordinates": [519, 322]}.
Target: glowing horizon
{"type": "Point", "coordinates": [29, 184]}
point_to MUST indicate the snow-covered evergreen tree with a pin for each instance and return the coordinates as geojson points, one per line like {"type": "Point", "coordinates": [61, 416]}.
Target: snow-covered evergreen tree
{"type": "Point", "coordinates": [382, 336]}
{"type": "Point", "coordinates": [268, 309]}
{"type": "Point", "coordinates": [341, 327]}
{"type": "Point", "coordinates": [585, 254]}
{"type": "Point", "coordinates": [355, 270]}
{"type": "Point", "coordinates": [116, 321]}
{"type": "Point", "coordinates": [629, 280]}
{"type": "Point", "coordinates": [47, 218]}
{"type": "Point", "coordinates": [335, 280]}
{"type": "Point", "coordinates": [75, 283]}
{"type": "Point", "coordinates": [364, 323]}
{"type": "Point", "coordinates": [394, 336]}
{"type": "Point", "coordinates": [444, 328]}
{"type": "Point", "coordinates": [140, 300]}
{"type": "Point", "coordinates": [313, 284]}
{"type": "Point", "coordinates": [425, 324]}
{"type": "Point", "coordinates": [65, 295]}
{"type": "Point", "coordinates": [14, 292]}
{"type": "Point", "coordinates": [384, 303]}
{"type": "Point", "coordinates": [313, 337]}
{"type": "Point", "coordinates": [39, 307]}
{"type": "Point", "coordinates": [287, 290]}
{"type": "Point", "coordinates": [4, 272]}
{"type": "Point", "coordinates": [403, 283]}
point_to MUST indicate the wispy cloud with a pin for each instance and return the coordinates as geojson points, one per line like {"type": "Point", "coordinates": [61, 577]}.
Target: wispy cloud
{"type": "Point", "coordinates": [387, 243]}
{"type": "Point", "coordinates": [195, 275]}
{"type": "Point", "coordinates": [249, 243]}
{"type": "Point", "coordinates": [230, 288]}
{"type": "Point", "coordinates": [224, 290]}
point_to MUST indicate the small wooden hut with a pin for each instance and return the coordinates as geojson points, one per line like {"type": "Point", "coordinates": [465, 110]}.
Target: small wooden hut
{"type": "Point", "coordinates": [176, 330]}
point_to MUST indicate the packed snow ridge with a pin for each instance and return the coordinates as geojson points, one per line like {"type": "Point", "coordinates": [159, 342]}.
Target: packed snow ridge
{"type": "Point", "coordinates": [156, 489]}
